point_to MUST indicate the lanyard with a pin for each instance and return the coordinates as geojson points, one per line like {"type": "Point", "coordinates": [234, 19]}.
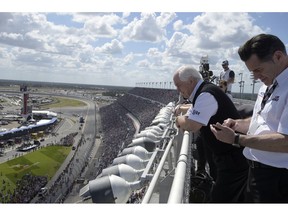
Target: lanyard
{"type": "Point", "coordinates": [267, 95]}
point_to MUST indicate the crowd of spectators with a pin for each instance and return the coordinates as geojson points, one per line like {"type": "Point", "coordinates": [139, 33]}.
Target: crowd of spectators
{"type": "Point", "coordinates": [30, 185]}
{"type": "Point", "coordinates": [118, 130]}
{"type": "Point", "coordinates": [163, 96]}
{"type": "Point", "coordinates": [143, 109]}
{"type": "Point", "coordinates": [26, 189]}
{"type": "Point", "coordinates": [137, 196]}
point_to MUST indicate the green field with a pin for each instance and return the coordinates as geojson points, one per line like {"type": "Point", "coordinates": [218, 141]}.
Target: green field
{"type": "Point", "coordinates": [64, 102]}
{"type": "Point", "coordinates": [43, 162]}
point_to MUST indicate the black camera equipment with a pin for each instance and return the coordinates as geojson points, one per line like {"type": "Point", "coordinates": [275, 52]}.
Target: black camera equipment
{"type": "Point", "coordinates": [204, 69]}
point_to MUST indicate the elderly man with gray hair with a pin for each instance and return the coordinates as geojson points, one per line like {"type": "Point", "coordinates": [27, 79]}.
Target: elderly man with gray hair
{"type": "Point", "coordinates": [210, 105]}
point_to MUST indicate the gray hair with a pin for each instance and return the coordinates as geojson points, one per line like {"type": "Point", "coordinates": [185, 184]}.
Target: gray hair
{"type": "Point", "coordinates": [185, 72]}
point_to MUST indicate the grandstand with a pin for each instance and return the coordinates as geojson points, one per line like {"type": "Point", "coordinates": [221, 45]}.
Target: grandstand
{"type": "Point", "coordinates": [27, 147]}
{"type": "Point", "coordinates": [43, 114]}
{"type": "Point", "coordinates": [12, 117]}
{"type": "Point", "coordinates": [27, 128]}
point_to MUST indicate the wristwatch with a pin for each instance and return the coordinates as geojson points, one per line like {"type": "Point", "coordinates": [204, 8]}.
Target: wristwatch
{"type": "Point", "coordinates": [236, 141]}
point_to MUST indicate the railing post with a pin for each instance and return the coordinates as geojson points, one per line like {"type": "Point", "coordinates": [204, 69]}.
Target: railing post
{"type": "Point", "coordinates": [156, 176]}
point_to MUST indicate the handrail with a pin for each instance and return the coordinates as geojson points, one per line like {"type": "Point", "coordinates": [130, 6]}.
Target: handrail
{"type": "Point", "coordinates": [177, 189]}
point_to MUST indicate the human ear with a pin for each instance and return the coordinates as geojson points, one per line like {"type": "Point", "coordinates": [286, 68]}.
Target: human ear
{"type": "Point", "coordinates": [278, 55]}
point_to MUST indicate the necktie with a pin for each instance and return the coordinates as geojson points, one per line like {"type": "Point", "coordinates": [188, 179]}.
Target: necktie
{"type": "Point", "coordinates": [267, 95]}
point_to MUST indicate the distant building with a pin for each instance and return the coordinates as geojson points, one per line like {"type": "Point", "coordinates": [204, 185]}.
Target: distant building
{"type": "Point", "coordinates": [24, 109]}
{"type": "Point", "coordinates": [23, 88]}
{"type": "Point", "coordinates": [43, 114]}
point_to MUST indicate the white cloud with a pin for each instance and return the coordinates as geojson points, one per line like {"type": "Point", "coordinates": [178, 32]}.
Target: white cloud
{"type": "Point", "coordinates": [128, 59]}
{"type": "Point", "coordinates": [126, 14]}
{"type": "Point", "coordinates": [217, 35]}
{"type": "Point", "coordinates": [144, 29]}
{"type": "Point", "coordinates": [143, 63]}
{"type": "Point", "coordinates": [175, 46]}
{"type": "Point", "coordinates": [165, 18]}
{"type": "Point", "coordinates": [153, 52]}
{"type": "Point", "coordinates": [222, 30]}
{"type": "Point", "coordinates": [102, 26]}
{"type": "Point", "coordinates": [114, 47]}
{"type": "Point", "coordinates": [178, 25]}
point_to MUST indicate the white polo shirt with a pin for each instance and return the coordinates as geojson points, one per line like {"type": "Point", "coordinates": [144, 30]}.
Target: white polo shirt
{"type": "Point", "coordinates": [204, 108]}
{"type": "Point", "coordinates": [224, 75]}
{"type": "Point", "coordinates": [273, 118]}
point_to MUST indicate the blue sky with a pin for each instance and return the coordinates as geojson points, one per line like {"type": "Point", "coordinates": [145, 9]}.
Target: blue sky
{"type": "Point", "coordinates": [125, 48]}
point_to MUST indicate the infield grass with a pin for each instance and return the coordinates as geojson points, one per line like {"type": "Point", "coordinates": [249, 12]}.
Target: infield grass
{"type": "Point", "coordinates": [43, 162]}
{"type": "Point", "coordinates": [64, 102]}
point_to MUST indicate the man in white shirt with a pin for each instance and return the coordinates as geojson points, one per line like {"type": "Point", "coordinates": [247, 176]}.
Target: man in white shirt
{"type": "Point", "coordinates": [265, 135]}
{"type": "Point", "coordinates": [227, 75]}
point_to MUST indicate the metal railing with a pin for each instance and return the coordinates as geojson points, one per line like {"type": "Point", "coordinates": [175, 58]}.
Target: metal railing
{"type": "Point", "coordinates": [169, 183]}
{"type": "Point", "coordinates": [177, 189]}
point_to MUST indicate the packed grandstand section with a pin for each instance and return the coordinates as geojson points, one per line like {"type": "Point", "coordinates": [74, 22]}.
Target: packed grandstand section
{"type": "Point", "coordinates": [118, 130]}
